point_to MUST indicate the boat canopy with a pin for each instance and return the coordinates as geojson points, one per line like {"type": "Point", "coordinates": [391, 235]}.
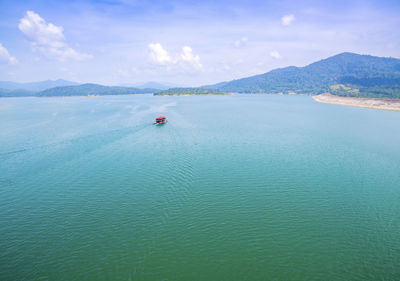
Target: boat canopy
{"type": "Point", "coordinates": [161, 118]}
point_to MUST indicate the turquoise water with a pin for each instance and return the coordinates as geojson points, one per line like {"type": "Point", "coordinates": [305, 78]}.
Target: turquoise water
{"type": "Point", "coordinates": [256, 187]}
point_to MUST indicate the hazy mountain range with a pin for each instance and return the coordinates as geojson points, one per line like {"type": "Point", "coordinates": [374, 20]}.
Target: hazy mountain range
{"type": "Point", "coordinates": [35, 86]}
{"type": "Point", "coordinates": [93, 89]}
{"type": "Point", "coordinates": [343, 74]}
{"type": "Point", "coordinates": [66, 88]}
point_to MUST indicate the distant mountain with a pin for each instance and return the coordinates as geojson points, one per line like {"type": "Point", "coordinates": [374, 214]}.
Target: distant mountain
{"type": "Point", "coordinates": [35, 86]}
{"type": "Point", "coordinates": [16, 93]}
{"type": "Point", "coordinates": [92, 89]}
{"type": "Point", "coordinates": [344, 74]}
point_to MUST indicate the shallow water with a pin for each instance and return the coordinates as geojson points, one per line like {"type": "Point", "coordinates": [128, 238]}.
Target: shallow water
{"type": "Point", "coordinates": [244, 187]}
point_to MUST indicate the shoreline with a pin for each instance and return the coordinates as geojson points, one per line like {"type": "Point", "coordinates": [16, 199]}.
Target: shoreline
{"type": "Point", "coordinates": [374, 103]}
{"type": "Point", "coordinates": [70, 96]}
{"type": "Point", "coordinates": [187, 95]}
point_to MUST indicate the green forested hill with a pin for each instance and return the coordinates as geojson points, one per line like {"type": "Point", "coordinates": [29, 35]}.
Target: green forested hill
{"type": "Point", "coordinates": [365, 75]}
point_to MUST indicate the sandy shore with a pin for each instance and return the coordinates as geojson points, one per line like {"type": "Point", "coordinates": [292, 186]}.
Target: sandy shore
{"type": "Point", "coordinates": [384, 104]}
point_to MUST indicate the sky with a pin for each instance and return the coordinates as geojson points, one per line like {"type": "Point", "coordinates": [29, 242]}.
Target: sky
{"type": "Point", "coordinates": [189, 43]}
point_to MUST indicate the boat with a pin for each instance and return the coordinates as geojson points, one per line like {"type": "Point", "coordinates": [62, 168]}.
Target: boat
{"type": "Point", "coordinates": [161, 120]}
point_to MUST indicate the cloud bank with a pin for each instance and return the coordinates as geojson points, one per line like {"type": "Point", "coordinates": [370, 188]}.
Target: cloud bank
{"type": "Point", "coordinates": [159, 55]}
{"type": "Point", "coordinates": [48, 38]}
{"type": "Point", "coordinates": [5, 56]}
{"type": "Point", "coordinates": [188, 57]}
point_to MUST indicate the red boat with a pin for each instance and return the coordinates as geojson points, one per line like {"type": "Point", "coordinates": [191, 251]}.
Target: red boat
{"type": "Point", "coordinates": [161, 120]}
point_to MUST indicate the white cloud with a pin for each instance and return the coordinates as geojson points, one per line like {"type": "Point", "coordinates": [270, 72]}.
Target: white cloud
{"type": "Point", "coordinates": [5, 57]}
{"type": "Point", "coordinates": [48, 38]}
{"type": "Point", "coordinates": [188, 56]}
{"type": "Point", "coordinates": [275, 54]}
{"type": "Point", "coordinates": [287, 19]}
{"type": "Point", "coordinates": [158, 54]}
{"type": "Point", "coordinates": [241, 42]}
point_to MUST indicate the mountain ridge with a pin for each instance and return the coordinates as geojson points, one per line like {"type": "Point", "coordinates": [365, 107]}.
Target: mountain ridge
{"type": "Point", "coordinates": [353, 70]}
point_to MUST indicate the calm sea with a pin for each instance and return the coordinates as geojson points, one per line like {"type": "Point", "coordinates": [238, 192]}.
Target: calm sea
{"type": "Point", "coordinates": [244, 187]}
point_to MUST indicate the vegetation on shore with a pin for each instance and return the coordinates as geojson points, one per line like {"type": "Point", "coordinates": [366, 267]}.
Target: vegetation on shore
{"type": "Point", "coordinates": [366, 91]}
{"type": "Point", "coordinates": [190, 91]}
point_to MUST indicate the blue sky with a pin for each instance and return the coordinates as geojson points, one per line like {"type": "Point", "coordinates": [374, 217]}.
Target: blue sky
{"type": "Point", "coordinates": [185, 42]}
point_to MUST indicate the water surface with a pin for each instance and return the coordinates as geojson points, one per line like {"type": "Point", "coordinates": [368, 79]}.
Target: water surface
{"type": "Point", "coordinates": [244, 187]}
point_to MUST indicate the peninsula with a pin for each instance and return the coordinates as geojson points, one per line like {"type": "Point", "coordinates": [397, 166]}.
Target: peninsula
{"type": "Point", "coordinates": [376, 103]}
